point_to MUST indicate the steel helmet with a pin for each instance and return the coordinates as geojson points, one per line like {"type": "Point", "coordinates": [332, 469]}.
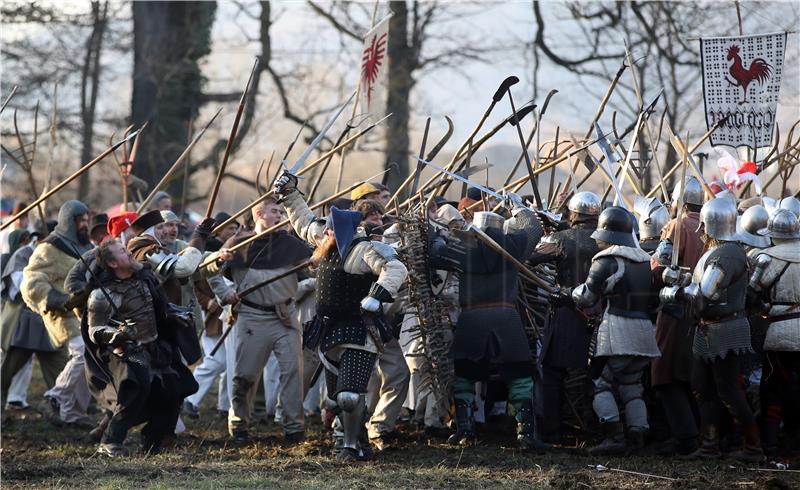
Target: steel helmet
{"type": "Point", "coordinates": [719, 217]}
{"type": "Point", "coordinates": [753, 220]}
{"type": "Point", "coordinates": [585, 202]}
{"type": "Point", "coordinates": [484, 220]}
{"type": "Point", "coordinates": [615, 226]}
{"type": "Point", "coordinates": [792, 204]}
{"type": "Point", "coordinates": [692, 194]}
{"type": "Point", "coordinates": [653, 216]}
{"type": "Point", "coordinates": [782, 224]}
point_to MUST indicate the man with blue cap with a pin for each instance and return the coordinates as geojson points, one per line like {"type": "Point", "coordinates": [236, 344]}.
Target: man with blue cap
{"type": "Point", "coordinates": [354, 276]}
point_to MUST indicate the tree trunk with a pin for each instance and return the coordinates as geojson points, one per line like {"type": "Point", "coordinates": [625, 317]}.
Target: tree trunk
{"type": "Point", "coordinates": [90, 82]}
{"type": "Point", "coordinates": [169, 40]}
{"type": "Point", "coordinates": [401, 65]}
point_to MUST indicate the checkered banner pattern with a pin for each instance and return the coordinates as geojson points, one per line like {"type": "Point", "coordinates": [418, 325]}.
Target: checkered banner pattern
{"type": "Point", "coordinates": [742, 80]}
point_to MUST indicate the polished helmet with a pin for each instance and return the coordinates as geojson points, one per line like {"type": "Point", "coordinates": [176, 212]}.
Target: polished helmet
{"type": "Point", "coordinates": [653, 216]}
{"type": "Point", "coordinates": [484, 220]}
{"type": "Point", "coordinates": [750, 223]}
{"type": "Point", "coordinates": [719, 217]}
{"type": "Point", "coordinates": [585, 202]}
{"type": "Point", "coordinates": [615, 226]}
{"type": "Point", "coordinates": [692, 194]}
{"type": "Point", "coordinates": [792, 204]}
{"type": "Point", "coordinates": [782, 224]}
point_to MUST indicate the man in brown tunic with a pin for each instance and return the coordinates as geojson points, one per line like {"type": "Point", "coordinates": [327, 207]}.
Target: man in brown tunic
{"type": "Point", "coordinates": [670, 373]}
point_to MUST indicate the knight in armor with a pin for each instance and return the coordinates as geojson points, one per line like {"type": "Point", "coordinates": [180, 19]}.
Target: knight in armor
{"type": "Point", "coordinates": [265, 319]}
{"type": "Point", "coordinates": [134, 364]}
{"type": "Point", "coordinates": [625, 342]}
{"type": "Point", "coordinates": [489, 331]}
{"type": "Point", "coordinates": [776, 279]}
{"type": "Point", "coordinates": [670, 374]}
{"type": "Point", "coordinates": [652, 216]}
{"type": "Point", "coordinates": [718, 292]}
{"type": "Point", "coordinates": [566, 339]}
{"type": "Point", "coordinates": [354, 277]}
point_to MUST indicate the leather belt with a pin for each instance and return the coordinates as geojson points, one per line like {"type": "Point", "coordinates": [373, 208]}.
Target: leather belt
{"type": "Point", "coordinates": [712, 321]}
{"type": "Point", "coordinates": [496, 304]}
{"type": "Point", "coordinates": [780, 318]}
{"type": "Point", "coordinates": [268, 309]}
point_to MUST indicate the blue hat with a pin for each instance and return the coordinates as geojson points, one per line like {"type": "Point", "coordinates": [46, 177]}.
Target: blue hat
{"type": "Point", "coordinates": [344, 224]}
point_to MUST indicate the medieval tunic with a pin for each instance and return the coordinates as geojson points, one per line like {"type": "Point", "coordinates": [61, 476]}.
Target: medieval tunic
{"type": "Point", "coordinates": [674, 323]}
{"type": "Point", "coordinates": [265, 323]}
{"type": "Point", "coordinates": [489, 327]}
{"type": "Point", "coordinates": [566, 339]}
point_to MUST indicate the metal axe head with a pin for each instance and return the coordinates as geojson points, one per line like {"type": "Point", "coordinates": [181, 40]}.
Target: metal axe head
{"type": "Point", "coordinates": [521, 113]}
{"type": "Point", "coordinates": [501, 91]}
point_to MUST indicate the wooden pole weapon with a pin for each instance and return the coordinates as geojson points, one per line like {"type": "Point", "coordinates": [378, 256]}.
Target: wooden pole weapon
{"type": "Point", "coordinates": [231, 138]}
{"type": "Point", "coordinates": [176, 165]}
{"type": "Point", "coordinates": [66, 181]}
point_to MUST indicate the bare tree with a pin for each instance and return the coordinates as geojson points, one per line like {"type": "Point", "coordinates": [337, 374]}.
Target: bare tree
{"type": "Point", "coordinates": [421, 39]}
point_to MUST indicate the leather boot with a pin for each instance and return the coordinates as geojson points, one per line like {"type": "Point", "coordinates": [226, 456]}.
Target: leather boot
{"type": "Point", "coordinates": [526, 434]}
{"type": "Point", "coordinates": [709, 446]}
{"type": "Point", "coordinates": [752, 452]}
{"type": "Point", "coordinates": [614, 443]}
{"type": "Point", "coordinates": [636, 440]}
{"type": "Point", "coordinates": [465, 425]}
{"type": "Point", "coordinates": [96, 434]}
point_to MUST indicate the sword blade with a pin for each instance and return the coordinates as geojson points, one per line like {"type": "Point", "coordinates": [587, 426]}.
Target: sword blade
{"type": "Point", "coordinates": [461, 179]}
{"type": "Point", "coordinates": [304, 156]}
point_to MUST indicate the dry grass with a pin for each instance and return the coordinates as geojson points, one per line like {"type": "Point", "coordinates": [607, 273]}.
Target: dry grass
{"type": "Point", "coordinates": [37, 455]}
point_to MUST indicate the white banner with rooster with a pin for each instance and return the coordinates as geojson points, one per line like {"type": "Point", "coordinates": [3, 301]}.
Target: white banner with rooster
{"type": "Point", "coordinates": [741, 81]}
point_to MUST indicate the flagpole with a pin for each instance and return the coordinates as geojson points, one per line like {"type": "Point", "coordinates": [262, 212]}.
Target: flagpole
{"type": "Point", "coordinates": [355, 108]}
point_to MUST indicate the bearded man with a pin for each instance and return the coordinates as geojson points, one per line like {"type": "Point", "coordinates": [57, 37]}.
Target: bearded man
{"type": "Point", "coordinates": [134, 361]}
{"type": "Point", "coordinates": [43, 291]}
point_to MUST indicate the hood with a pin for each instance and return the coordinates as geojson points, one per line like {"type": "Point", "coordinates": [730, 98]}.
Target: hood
{"type": "Point", "coordinates": [66, 229]}
{"type": "Point", "coordinates": [344, 224]}
{"type": "Point", "coordinates": [14, 238]}
{"type": "Point", "coordinates": [447, 213]}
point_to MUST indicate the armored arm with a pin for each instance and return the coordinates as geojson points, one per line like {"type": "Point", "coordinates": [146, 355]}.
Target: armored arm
{"type": "Point", "coordinates": [102, 329]}
{"type": "Point", "coordinates": [525, 220]}
{"type": "Point", "coordinates": [590, 292]}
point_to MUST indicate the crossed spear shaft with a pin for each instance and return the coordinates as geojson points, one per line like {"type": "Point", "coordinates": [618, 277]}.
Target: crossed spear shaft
{"type": "Point", "coordinates": [302, 171]}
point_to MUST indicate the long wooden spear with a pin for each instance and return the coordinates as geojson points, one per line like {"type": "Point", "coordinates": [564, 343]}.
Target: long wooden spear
{"type": "Point", "coordinates": [8, 99]}
{"type": "Point", "coordinates": [231, 138]}
{"type": "Point", "coordinates": [66, 181]}
{"type": "Point", "coordinates": [302, 171]}
{"type": "Point", "coordinates": [176, 165]}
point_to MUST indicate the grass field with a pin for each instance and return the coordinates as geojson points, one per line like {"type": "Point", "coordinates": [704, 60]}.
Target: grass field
{"type": "Point", "coordinates": [38, 455]}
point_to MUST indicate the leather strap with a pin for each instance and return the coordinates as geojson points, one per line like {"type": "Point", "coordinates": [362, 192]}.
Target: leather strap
{"type": "Point", "coordinates": [496, 304]}
{"type": "Point", "coordinates": [268, 309]}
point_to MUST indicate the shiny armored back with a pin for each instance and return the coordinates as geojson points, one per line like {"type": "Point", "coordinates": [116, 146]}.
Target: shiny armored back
{"type": "Point", "coordinates": [730, 257]}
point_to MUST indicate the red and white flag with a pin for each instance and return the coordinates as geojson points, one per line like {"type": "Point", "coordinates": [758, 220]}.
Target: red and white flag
{"type": "Point", "coordinates": [742, 80]}
{"type": "Point", "coordinates": [374, 67]}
